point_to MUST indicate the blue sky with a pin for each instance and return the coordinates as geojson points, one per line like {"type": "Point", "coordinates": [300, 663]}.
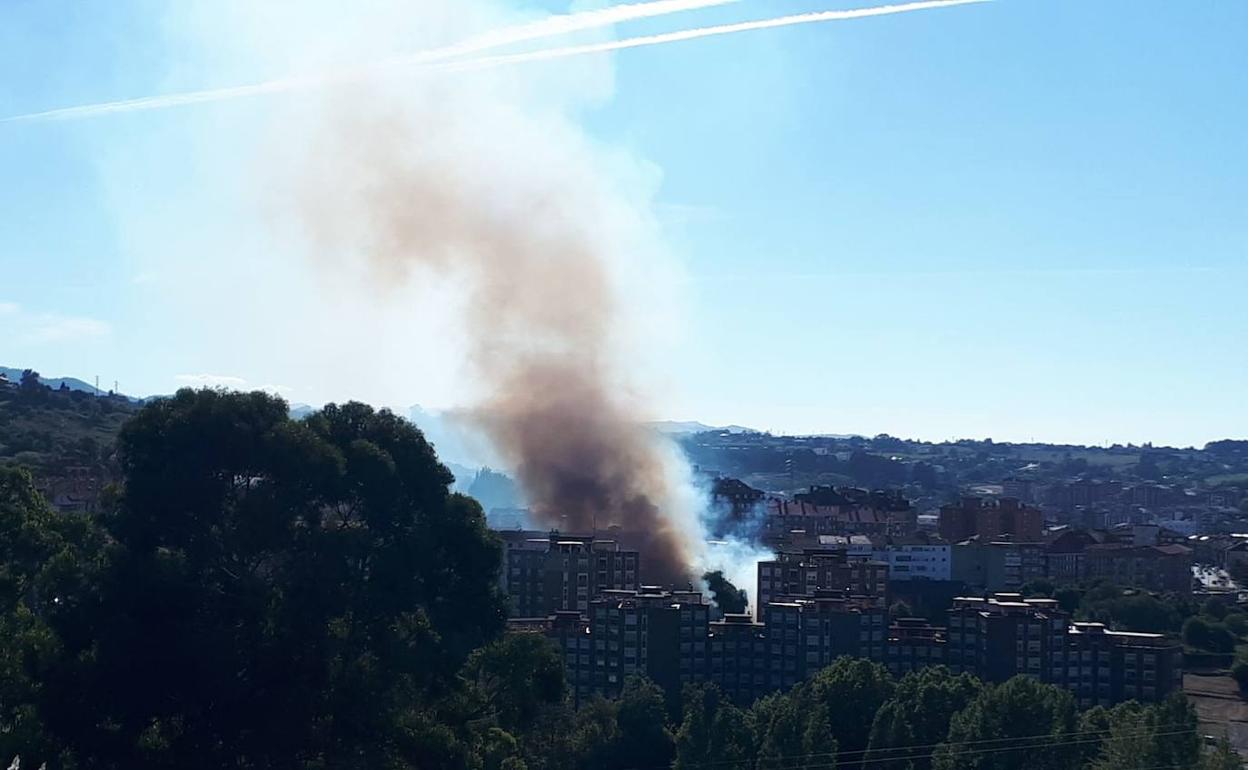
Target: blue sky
{"type": "Point", "coordinates": [1021, 219]}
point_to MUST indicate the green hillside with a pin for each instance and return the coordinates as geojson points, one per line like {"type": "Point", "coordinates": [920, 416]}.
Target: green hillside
{"type": "Point", "coordinates": [56, 432]}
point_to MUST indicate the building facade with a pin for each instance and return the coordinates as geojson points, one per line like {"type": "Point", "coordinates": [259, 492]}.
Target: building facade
{"type": "Point", "coordinates": [670, 638]}
{"type": "Point", "coordinates": [976, 517]}
{"type": "Point", "coordinates": [793, 574]}
{"type": "Point", "coordinates": [546, 574]}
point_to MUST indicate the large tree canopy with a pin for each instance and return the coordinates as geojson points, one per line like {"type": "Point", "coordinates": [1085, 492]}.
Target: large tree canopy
{"type": "Point", "coordinates": [274, 592]}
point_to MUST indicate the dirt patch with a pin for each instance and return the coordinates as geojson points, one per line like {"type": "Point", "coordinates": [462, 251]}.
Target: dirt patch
{"type": "Point", "coordinates": [1219, 706]}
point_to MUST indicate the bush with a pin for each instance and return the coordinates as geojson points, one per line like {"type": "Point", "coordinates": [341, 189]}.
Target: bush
{"type": "Point", "coordinates": [1203, 635]}
{"type": "Point", "coordinates": [1239, 672]}
{"type": "Point", "coordinates": [1236, 623]}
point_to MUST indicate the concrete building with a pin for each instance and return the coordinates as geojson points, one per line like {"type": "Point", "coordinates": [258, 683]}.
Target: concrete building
{"type": "Point", "coordinates": [543, 575]}
{"type": "Point", "coordinates": [916, 560]}
{"type": "Point", "coordinates": [998, 637]}
{"type": "Point", "coordinates": [913, 643]}
{"type": "Point", "coordinates": [1106, 667]}
{"type": "Point", "coordinates": [997, 565]}
{"type": "Point", "coordinates": [739, 660]}
{"type": "Point", "coordinates": [669, 638]}
{"type": "Point", "coordinates": [1151, 567]}
{"type": "Point", "coordinates": [976, 517]}
{"type": "Point", "coordinates": [813, 631]}
{"type": "Point", "coordinates": [793, 574]}
{"type": "Point", "coordinates": [642, 632]}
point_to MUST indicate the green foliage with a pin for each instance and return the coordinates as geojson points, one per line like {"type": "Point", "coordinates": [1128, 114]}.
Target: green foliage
{"type": "Point", "coordinates": [848, 694]}
{"type": "Point", "coordinates": [277, 593]}
{"type": "Point", "coordinates": [791, 731]}
{"type": "Point", "coordinates": [1206, 635]}
{"type": "Point", "coordinates": [48, 431]}
{"type": "Point", "coordinates": [1021, 708]}
{"type": "Point", "coordinates": [1041, 588]}
{"type": "Point", "coordinates": [1215, 607]}
{"type": "Point", "coordinates": [1239, 672]}
{"type": "Point", "coordinates": [515, 678]}
{"type": "Point", "coordinates": [918, 714]}
{"type": "Point", "coordinates": [712, 731]}
{"type": "Point", "coordinates": [630, 732]}
{"type": "Point", "coordinates": [267, 593]}
{"type": "Point", "coordinates": [901, 609]}
{"type": "Point", "coordinates": [45, 560]}
{"type": "Point", "coordinates": [1131, 611]}
{"type": "Point", "coordinates": [726, 596]}
{"type": "Point", "coordinates": [1162, 735]}
{"type": "Point", "coordinates": [1222, 757]}
{"type": "Point", "coordinates": [1236, 622]}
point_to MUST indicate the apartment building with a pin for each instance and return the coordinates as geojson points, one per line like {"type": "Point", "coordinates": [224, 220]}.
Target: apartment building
{"type": "Point", "coordinates": [669, 637]}
{"type": "Point", "coordinates": [998, 637]}
{"type": "Point", "coordinates": [813, 569]}
{"type": "Point", "coordinates": [914, 643]}
{"type": "Point", "coordinates": [976, 517]}
{"type": "Point", "coordinates": [547, 574]}
{"type": "Point", "coordinates": [1106, 667]}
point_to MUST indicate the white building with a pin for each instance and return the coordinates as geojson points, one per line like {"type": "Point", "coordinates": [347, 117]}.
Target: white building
{"type": "Point", "coordinates": [906, 561]}
{"type": "Point", "coordinates": [917, 561]}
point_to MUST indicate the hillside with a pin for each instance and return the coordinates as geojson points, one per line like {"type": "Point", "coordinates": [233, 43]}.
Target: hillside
{"type": "Point", "coordinates": [55, 383]}
{"type": "Point", "coordinates": [64, 437]}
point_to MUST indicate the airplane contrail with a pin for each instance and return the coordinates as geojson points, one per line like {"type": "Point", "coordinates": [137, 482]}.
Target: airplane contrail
{"type": "Point", "coordinates": [551, 26]}
{"type": "Point", "coordinates": [693, 34]}
{"type": "Point", "coordinates": [450, 57]}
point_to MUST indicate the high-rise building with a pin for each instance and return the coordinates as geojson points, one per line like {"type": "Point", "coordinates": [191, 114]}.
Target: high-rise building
{"type": "Point", "coordinates": [793, 574]}
{"type": "Point", "coordinates": [974, 516]}
{"type": "Point", "coordinates": [543, 575]}
{"type": "Point", "coordinates": [998, 637]}
{"type": "Point", "coordinates": [644, 632]}
{"type": "Point", "coordinates": [668, 637]}
{"type": "Point", "coordinates": [914, 643]}
{"type": "Point", "coordinates": [1106, 667]}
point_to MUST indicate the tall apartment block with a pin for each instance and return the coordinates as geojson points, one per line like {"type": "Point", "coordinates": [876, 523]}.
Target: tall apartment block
{"type": "Point", "coordinates": [544, 575]}
{"type": "Point", "coordinates": [814, 569]}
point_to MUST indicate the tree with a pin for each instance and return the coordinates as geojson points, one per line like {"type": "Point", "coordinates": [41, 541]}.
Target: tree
{"type": "Point", "coordinates": [1034, 720]}
{"type": "Point", "coordinates": [514, 678]}
{"type": "Point", "coordinates": [1236, 622]}
{"type": "Point", "coordinates": [629, 732]}
{"type": "Point", "coordinates": [900, 609]}
{"type": "Point", "coordinates": [45, 563]}
{"type": "Point", "coordinates": [848, 694]}
{"type": "Point", "coordinates": [1204, 635]}
{"type": "Point", "coordinates": [712, 731]}
{"type": "Point", "coordinates": [918, 714]}
{"type": "Point", "coordinates": [791, 731]}
{"type": "Point", "coordinates": [276, 593]}
{"type": "Point", "coordinates": [1215, 607]}
{"type": "Point", "coordinates": [1042, 588]}
{"type": "Point", "coordinates": [1222, 757]}
{"type": "Point", "coordinates": [641, 716]}
{"type": "Point", "coordinates": [726, 596]}
{"type": "Point", "coordinates": [1160, 735]}
{"type": "Point", "coordinates": [1239, 672]}
{"type": "Point", "coordinates": [29, 381]}
{"type": "Point", "coordinates": [30, 388]}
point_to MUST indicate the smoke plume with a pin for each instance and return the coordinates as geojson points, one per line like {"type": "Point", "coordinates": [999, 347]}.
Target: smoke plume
{"type": "Point", "coordinates": [478, 186]}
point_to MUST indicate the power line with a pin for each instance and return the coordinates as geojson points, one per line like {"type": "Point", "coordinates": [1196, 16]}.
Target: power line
{"type": "Point", "coordinates": [1044, 741]}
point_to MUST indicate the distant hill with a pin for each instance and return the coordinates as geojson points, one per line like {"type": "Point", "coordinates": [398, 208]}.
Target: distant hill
{"type": "Point", "coordinates": [679, 427]}
{"type": "Point", "coordinates": [73, 383]}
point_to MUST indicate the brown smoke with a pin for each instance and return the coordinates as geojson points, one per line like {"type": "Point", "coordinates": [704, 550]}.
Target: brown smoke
{"type": "Point", "coordinates": [503, 203]}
